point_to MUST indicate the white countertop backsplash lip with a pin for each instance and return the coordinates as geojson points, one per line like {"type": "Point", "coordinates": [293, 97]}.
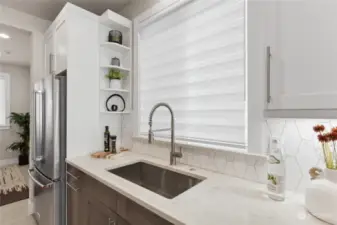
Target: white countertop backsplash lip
{"type": "Point", "coordinates": [217, 200]}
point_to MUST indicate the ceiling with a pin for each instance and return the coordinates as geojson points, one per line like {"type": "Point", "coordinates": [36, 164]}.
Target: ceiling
{"type": "Point", "coordinates": [48, 9]}
{"type": "Point", "coordinates": [17, 49]}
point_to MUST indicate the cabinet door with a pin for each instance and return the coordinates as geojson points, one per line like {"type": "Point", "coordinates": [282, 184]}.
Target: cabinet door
{"type": "Point", "coordinates": [303, 64]}
{"type": "Point", "coordinates": [136, 214]}
{"type": "Point", "coordinates": [99, 214]}
{"type": "Point", "coordinates": [61, 47]}
{"type": "Point", "coordinates": [49, 65]}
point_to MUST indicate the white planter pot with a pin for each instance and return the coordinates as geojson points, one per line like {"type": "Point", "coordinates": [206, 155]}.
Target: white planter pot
{"type": "Point", "coordinates": [115, 84]}
{"type": "Point", "coordinates": [330, 175]}
{"type": "Point", "coordinates": [321, 197]}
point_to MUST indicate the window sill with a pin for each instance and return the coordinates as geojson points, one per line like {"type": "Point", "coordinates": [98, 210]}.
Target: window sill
{"type": "Point", "coordinates": [192, 145]}
{"type": "Point", "coordinates": [5, 127]}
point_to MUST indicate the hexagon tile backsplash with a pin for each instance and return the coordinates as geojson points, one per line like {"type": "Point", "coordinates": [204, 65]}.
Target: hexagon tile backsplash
{"type": "Point", "coordinates": [301, 147]}
{"type": "Point", "coordinates": [299, 142]}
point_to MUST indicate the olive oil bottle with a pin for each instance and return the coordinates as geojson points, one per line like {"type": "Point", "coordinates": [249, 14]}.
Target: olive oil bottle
{"type": "Point", "coordinates": [106, 139]}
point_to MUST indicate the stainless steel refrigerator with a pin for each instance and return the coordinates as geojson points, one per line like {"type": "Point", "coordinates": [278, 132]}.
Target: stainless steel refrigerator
{"type": "Point", "coordinates": [49, 150]}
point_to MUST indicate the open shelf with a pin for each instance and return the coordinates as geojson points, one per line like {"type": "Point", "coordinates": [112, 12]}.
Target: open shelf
{"type": "Point", "coordinates": [124, 112]}
{"type": "Point", "coordinates": [115, 90]}
{"type": "Point", "coordinates": [116, 47]}
{"type": "Point", "coordinates": [116, 67]}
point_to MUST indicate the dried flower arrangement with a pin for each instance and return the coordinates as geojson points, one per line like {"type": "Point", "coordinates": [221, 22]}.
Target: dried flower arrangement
{"type": "Point", "coordinates": [330, 156]}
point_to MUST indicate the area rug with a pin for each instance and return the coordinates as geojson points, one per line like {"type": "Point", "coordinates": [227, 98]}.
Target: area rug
{"type": "Point", "coordinates": [13, 187]}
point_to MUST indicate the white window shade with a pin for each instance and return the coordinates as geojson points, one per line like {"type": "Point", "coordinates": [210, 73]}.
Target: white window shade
{"type": "Point", "coordinates": [193, 59]}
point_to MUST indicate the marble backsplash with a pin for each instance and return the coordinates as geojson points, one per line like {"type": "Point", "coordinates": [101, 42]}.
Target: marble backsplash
{"type": "Point", "coordinates": [302, 150]}
{"type": "Point", "coordinates": [299, 142]}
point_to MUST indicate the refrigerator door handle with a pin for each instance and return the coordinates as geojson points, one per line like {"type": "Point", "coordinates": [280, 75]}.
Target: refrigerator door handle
{"type": "Point", "coordinates": [39, 126]}
{"type": "Point", "coordinates": [38, 182]}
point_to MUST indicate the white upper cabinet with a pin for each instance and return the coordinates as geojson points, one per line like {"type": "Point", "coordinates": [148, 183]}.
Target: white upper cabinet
{"type": "Point", "coordinates": [49, 54]}
{"type": "Point", "coordinates": [301, 70]}
{"type": "Point", "coordinates": [60, 47]}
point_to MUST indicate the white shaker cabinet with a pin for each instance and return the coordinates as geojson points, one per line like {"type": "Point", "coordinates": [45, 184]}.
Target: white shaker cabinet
{"type": "Point", "coordinates": [301, 70]}
{"type": "Point", "coordinates": [60, 47]}
{"type": "Point", "coordinates": [49, 54]}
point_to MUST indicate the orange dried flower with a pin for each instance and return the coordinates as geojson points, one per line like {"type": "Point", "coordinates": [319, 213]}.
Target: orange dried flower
{"type": "Point", "coordinates": [333, 136]}
{"type": "Point", "coordinates": [321, 138]}
{"type": "Point", "coordinates": [319, 128]}
{"type": "Point", "coordinates": [334, 130]}
{"type": "Point", "coordinates": [327, 137]}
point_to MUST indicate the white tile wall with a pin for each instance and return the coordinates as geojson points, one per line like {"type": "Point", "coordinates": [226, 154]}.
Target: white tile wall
{"type": "Point", "coordinates": [239, 164]}
{"type": "Point", "coordinates": [302, 150]}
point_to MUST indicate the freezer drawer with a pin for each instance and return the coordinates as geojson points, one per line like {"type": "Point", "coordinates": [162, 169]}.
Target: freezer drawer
{"type": "Point", "coordinates": [46, 199]}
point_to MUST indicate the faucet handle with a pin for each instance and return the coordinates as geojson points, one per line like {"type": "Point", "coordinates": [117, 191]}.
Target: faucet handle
{"type": "Point", "coordinates": [178, 154]}
{"type": "Point", "coordinates": [151, 137]}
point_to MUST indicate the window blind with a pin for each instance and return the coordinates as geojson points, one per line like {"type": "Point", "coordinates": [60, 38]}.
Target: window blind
{"type": "Point", "coordinates": [193, 58]}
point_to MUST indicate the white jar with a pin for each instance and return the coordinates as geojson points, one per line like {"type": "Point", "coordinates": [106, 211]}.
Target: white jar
{"type": "Point", "coordinates": [330, 175]}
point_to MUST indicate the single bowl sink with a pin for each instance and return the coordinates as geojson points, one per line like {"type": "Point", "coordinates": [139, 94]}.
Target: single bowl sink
{"type": "Point", "coordinates": [164, 182]}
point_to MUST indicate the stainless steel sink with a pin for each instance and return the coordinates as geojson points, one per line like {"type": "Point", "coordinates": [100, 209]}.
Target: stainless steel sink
{"type": "Point", "coordinates": [159, 180]}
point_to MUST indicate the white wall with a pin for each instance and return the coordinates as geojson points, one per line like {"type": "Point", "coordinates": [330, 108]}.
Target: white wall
{"type": "Point", "coordinates": [20, 86]}
{"type": "Point", "coordinates": [32, 24]}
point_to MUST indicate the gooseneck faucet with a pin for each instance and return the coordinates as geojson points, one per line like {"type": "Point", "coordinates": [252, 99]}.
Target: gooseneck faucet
{"type": "Point", "coordinates": [173, 153]}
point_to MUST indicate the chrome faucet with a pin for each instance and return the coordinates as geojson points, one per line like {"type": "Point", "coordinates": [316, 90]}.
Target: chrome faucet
{"type": "Point", "coordinates": [173, 153]}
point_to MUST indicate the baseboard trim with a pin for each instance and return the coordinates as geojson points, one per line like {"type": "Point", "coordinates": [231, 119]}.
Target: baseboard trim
{"type": "Point", "coordinates": [6, 162]}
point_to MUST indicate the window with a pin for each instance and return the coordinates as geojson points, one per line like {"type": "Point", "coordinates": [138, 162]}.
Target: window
{"type": "Point", "coordinates": [193, 58]}
{"type": "Point", "coordinates": [4, 100]}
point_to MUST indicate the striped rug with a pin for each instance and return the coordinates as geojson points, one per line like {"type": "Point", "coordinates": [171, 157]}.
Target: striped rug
{"type": "Point", "coordinates": [13, 187]}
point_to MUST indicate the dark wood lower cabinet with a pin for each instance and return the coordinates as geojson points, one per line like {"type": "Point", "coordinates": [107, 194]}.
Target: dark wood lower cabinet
{"type": "Point", "coordinates": [92, 203]}
{"type": "Point", "coordinates": [99, 214]}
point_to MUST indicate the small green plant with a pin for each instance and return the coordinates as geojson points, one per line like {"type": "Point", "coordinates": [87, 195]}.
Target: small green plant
{"type": "Point", "coordinates": [114, 74]}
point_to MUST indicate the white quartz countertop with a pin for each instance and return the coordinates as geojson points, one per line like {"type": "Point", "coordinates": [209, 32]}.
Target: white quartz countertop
{"type": "Point", "coordinates": [218, 200]}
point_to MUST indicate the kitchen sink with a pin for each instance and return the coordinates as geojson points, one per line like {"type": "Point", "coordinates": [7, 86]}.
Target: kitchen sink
{"type": "Point", "coordinates": [164, 182]}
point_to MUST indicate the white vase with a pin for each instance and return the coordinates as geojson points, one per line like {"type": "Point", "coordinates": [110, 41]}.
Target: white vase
{"type": "Point", "coordinates": [330, 175]}
{"type": "Point", "coordinates": [115, 84]}
{"type": "Point", "coordinates": [321, 197]}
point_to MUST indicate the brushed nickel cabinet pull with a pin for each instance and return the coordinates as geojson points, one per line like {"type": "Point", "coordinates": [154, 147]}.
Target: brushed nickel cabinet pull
{"type": "Point", "coordinates": [73, 188]}
{"type": "Point", "coordinates": [73, 176]}
{"type": "Point", "coordinates": [268, 56]}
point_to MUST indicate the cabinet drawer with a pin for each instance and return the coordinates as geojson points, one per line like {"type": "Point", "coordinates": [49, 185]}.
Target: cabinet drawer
{"type": "Point", "coordinates": [133, 213]}
{"type": "Point", "coordinates": [75, 177]}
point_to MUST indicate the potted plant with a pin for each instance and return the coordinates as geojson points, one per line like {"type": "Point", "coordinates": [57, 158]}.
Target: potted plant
{"type": "Point", "coordinates": [115, 77]}
{"type": "Point", "coordinates": [22, 120]}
